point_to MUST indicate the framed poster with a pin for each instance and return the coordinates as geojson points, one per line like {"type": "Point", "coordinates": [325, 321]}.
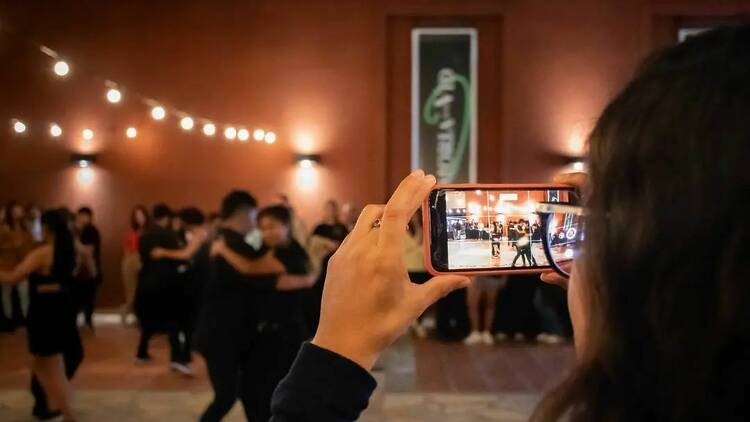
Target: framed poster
{"type": "Point", "coordinates": [444, 103]}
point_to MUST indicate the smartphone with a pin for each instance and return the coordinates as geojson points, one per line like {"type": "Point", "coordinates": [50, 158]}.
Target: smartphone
{"type": "Point", "coordinates": [483, 229]}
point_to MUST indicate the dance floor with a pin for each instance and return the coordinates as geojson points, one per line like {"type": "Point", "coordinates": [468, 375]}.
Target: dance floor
{"type": "Point", "coordinates": [419, 380]}
{"type": "Point", "coordinates": [478, 254]}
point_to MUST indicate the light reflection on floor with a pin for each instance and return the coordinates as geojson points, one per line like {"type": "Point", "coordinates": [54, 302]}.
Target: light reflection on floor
{"type": "Point", "coordinates": [478, 254]}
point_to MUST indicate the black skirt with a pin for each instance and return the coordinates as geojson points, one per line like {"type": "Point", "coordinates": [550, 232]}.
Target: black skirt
{"type": "Point", "coordinates": [51, 323]}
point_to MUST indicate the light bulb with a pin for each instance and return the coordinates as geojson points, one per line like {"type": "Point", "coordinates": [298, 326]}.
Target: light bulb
{"type": "Point", "coordinates": [55, 130]}
{"type": "Point", "coordinates": [230, 133]}
{"type": "Point", "coordinates": [61, 68]}
{"type": "Point", "coordinates": [19, 126]}
{"type": "Point", "coordinates": [131, 132]}
{"type": "Point", "coordinates": [186, 123]}
{"type": "Point", "coordinates": [270, 137]}
{"type": "Point", "coordinates": [88, 134]}
{"type": "Point", "coordinates": [158, 113]}
{"type": "Point", "coordinates": [243, 135]}
{"type": "Point", "coordinates": [209, 129]}
{"type": "Point", "coordinates": [259, 134]}
{"type": "Point", "coordinates": [114, 95]}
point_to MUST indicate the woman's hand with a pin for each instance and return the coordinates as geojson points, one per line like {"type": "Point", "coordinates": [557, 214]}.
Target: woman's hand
{"type": "Point", "coordinates": [368, 299]}
{"type": "Point", "coordinates": [577, 180]}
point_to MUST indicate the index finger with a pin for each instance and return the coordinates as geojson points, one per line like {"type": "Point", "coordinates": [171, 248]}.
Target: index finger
{"type": "Point", "coordinates": [399, 209]}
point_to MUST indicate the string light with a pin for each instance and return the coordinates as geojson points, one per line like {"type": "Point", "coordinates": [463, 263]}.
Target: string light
{"type": "Point", "coordinates": [114, 95]}
{"type": "Point", "coordinates": [230, 133]}
{"type": "Point", "coordinates": [158, 113]}
{"type": "Point", "coordinates": [19, 126]}
{"type": "Point", "coordinates": [243, 135]}
{"type": "Point", "coordinates": [54, 130]}
{"type": "Point", "coordinates": [61, 68]}
{"type": "Point", "coordinates": [186, 123]}
{"type": "Point", "coordinates": [209, 129]}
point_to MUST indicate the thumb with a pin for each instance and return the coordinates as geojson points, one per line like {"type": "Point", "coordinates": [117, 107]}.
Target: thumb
{"type": "Point", "coordinates": [439, 287]}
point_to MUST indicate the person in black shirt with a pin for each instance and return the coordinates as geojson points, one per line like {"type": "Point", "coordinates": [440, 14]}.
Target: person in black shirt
{"type": "Point", "coordinates": [157, 298]}
{"type": "Point", "coordinates": [241, 278]}
{"type": "Point", "coordinates": [88, 272]}
{"type": "Point", "coordinates": [190, 260]}
{"type": "Point", "coordinates": [225, 325]}
{"type": "Point", "coordinates": [324, 241]}
{"type": "Point", "coordinates": [281, 327]}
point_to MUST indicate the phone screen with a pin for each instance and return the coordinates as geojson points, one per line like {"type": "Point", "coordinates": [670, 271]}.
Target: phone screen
{"type": "Point", "coordinates": [489, 229]}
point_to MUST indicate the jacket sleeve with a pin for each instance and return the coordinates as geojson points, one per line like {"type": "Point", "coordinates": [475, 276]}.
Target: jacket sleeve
{"type": "Point", "coordinates": [322, 386]}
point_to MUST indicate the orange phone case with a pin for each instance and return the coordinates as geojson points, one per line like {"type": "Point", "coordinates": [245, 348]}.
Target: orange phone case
{"type": "Point", "coordinates": [427, 239]}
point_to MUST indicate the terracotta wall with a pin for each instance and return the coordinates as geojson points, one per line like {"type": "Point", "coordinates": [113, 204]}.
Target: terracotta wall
{"type": "Point", "coordinates": [316, 68]}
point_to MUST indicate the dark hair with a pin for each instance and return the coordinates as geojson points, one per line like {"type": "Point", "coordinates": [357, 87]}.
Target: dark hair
{"type": "Point", "coordinates": [669, 334]}
{"type": "Point", "coordinates": [85, 210]}
{"type": "Point", "coordinates": [161, 211]}
{"type": "Point", "coordinates": [192, 216]}
{"type": "Point", "coordinates": [63, 261]}
{"type": "Point", "coordinates": [277, 212]}
{"type": "Point", "coordinates": [134, 221]}
{"type": "Point", "coordinates": [235, 201]}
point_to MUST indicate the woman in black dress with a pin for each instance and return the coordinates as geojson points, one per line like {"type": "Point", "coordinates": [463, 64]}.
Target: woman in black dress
{"type": "Point", "coordinates": [51, 320]}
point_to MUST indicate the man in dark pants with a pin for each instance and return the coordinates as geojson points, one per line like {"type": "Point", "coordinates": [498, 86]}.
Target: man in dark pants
{"type": "Point", "coordinates": [225, 332]}
{"type": "Point", "coordinates": [88, 280]}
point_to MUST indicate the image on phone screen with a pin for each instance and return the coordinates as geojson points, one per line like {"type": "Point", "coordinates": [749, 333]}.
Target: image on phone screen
{"type": "Point", "coordinates": [489, 229]}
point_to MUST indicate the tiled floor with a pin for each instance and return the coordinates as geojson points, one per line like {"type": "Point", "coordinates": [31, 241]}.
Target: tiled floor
{"type": "Point", "coordinates": [418, 381]}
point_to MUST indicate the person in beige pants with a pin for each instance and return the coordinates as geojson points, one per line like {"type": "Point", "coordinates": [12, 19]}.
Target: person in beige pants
{"type": "Point", "coordinates": [131, 261]}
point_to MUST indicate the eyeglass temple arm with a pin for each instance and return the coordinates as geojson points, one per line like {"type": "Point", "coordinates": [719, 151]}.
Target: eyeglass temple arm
{"type": "Point", "coordinates": [548, 208]}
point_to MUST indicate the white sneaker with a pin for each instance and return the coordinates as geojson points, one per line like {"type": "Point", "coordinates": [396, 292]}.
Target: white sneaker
{"type": "Point", "coordinates": [550, 338]}
{"type": "Point", "coordinates": [501, 337]}
{"type": "Point", "coordinates": [181, 368]}
{"type": "Point", "coordinates": [420, 331]}
{"type": "Point", "coordinates": [487, 338]}
{"type": "Point", "coordinates": [474, 338]}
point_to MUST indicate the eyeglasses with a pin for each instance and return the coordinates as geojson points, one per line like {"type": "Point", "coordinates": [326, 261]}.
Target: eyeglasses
{"type": "Point", "coordinates": [563, 232]}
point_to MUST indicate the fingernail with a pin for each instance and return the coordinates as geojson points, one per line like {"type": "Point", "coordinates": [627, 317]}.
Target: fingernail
{"type": "Point", "coordinates": [418, 173]}
{"type": "Point", "coordinates": [432, 178]}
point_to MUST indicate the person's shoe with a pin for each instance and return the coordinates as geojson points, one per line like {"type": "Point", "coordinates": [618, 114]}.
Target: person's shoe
{"type": "Point", "coordinates": [550, 338]}
{"type": "Point", "coordinates": [420, 331]}
{"type": "Point", "coordinates": [181, 368]}
{"type": "Point", "coordinates": [500, 337]}
{"type": "Point", "coordinates": [487, 338]}
{"type": "Point", "coordinates": [46, 415]}
{"type": "Point", "coordinates": [142, 360]}
{"type": "Point", "coordinates": [474, 338]}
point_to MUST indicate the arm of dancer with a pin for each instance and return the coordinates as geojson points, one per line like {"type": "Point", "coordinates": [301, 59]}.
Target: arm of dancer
{"type": "Point", "coordinates": [267, 264]}
{"type": "Point", "coordinates": [184, 254]}
{"type": "Point", "coordinates": [33, 261]}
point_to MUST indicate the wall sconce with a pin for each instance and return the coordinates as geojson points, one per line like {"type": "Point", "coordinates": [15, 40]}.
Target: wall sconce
{"type": "Point", "coordinates": [307, 161]}
{"type": "Point", "coordinates": [83, 160]}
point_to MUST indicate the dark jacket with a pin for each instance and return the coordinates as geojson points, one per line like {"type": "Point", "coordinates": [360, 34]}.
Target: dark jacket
{"type": "Point", "coordinates": [322, 386]}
